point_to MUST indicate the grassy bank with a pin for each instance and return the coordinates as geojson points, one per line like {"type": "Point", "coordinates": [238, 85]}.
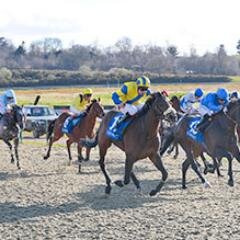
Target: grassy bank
{"type": "Point", "coordinates": [64, 96]}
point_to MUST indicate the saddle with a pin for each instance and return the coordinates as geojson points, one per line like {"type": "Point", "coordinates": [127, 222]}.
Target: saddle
{"type": "Point", "coordinates": [118, 125]}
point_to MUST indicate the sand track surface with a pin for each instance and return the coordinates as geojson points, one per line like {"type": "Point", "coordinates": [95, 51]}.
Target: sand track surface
{"type": "Point", "coordinates": [48, 199]}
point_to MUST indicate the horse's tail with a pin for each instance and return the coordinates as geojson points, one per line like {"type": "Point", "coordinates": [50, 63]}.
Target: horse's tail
{"type": "Point", "coordinates": [168, 141]}
{"type": "Point", "coordinates": [89, 142]}
{"type": "Point", "coordinates": [50, 129]}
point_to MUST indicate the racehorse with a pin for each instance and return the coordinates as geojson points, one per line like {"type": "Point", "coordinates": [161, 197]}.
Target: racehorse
{"type": "Point", "coordinates": [166, 131]}
{"type": "Point", "coordinates": [82, 130]}
{"type": "Point", "coordinates": [220, 141]}
{"type": "Point", "coordinates": [141, 140]}
{"type": "Point", "coordinates": [11, 125]}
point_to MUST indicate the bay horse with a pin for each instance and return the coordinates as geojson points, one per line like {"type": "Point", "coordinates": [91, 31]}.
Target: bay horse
{"type": "Point", "coordinates": [175, 102]}
{"type": "Point", "coordinates": [220, 141]}
{"type": "Point", "coordinates": [82, 130]}
{"type": "Point", "coordinates": [141, 140]}
{"type": "Point", "coordinates": [11, 125]}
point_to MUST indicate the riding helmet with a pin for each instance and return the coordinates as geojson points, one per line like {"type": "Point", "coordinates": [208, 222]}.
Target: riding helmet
{"type": "Point", "coordinates": [222, 94]}
{"type": "Point", "coordinates": [143, 82]}
{"type": "Point", "coordinates": [198, 92]}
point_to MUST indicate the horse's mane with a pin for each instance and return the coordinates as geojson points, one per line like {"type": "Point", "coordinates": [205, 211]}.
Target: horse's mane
{"type": "Point", "coordinates": [146, 107]}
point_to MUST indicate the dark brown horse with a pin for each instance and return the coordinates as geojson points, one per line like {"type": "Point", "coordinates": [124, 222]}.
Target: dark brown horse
{"type": "Point", "coordinates": [141, 140]}
{"type": "Point", "coordinates": [220, 141]}
{"type": "Point", "coordinates": [175, 102]}
{"type": "Point", "coordinates": [82, 130]}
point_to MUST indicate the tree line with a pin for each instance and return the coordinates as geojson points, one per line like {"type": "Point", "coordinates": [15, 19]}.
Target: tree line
{"type": "Point", "coordinates": [48, 54]}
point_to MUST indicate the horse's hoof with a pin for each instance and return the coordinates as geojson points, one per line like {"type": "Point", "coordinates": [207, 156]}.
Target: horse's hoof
{"type": "Point", "coordinates": [220, 176]}
{"type": "Point", "coordinates": [230, 183]}
{"type": "Point", "coordinates": [207, 184]}
{"type": "Point", "coordinates": [175, 156]}
{"type": "Point", "coordinates": [205, 171]}
{"type": "Point", "coordinates": [153, 193]}
{"type": "Point", "coordinates": [139, 192]}
{"type": "Point", "coordinates": [45, 157]}
{"type": "Point", "coordinates": [108, 190]}
{"type": "Point", "coordinates": [184, 187]}
{"type": "Point", "coordinates": [86, 159]}
{"type": "Point", "coordinates": [119, 183]}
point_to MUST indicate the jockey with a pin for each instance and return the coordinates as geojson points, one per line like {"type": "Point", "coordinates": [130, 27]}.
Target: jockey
{"type": "Point", "coordinates": [234, 96]}
{"type": "Point", "coordinates": [128, 98]}
{"type": "Point", "coordinates": [79, 105]}
{"type": "Point", "coordinates": [187, 101]}
{"type": "Point", "coordinates": [6, 99]}
{"type": "Point", "coordinates": [211, 104]}
{"type": "Point", "coordinates": [81, 101]}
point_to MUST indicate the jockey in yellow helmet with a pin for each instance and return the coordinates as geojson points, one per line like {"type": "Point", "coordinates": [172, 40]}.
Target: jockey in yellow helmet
{"type": "Point", "coordinates": [130, 98]}
{"type": "Point", "coordinates": [81, 101]}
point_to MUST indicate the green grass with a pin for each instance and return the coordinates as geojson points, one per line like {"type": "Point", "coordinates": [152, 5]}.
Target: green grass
{"type": "Point", "coordinates": [65, 96]}
{"type": "Point", "coordinates": [235, 78]}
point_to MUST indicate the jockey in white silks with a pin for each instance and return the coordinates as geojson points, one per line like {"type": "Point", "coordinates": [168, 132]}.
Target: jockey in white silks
{"type": "Point", "coordinates": [6, 99]}
{"type": "Point", "coordinates": [187, 101]}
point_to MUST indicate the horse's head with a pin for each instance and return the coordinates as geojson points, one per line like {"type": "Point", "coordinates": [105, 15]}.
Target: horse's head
{"type": "Point", "coordinates": [175, 102]}
{"type": "Point", "coordinates": [18, 115]}
{"type": "Point", "coordinates": [233, 111]}
{"type": "Point", "coordinates": [96, 108]}
{"type": "Point", "coordinates": [161, 106]}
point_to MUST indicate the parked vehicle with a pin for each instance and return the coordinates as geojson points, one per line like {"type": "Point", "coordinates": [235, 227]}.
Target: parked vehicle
{"type": "Point", "coordinates": [37, 118]}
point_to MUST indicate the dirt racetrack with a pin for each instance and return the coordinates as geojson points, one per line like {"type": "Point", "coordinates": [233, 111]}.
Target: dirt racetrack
{"type": "Point", "coordinates": [50, 200]}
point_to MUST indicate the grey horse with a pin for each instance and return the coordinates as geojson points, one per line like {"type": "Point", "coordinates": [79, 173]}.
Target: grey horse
{"type": "Point", "coordinates": [11, 125]}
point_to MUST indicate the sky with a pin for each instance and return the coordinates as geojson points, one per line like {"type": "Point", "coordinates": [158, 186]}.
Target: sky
{"type": "Point", "coordinates": [201, 24]}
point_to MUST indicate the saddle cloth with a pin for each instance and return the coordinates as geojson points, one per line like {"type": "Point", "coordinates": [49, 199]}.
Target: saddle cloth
{"type": "Point", "coordinates": [71, 122]}
{"type": "Point", "coordinates": [116, 132]}
{"type": "Point", "coordinates": [192, 131]}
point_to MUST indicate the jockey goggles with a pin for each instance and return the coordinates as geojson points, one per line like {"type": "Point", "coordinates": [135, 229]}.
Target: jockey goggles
{"type": "Point", "coordinates": [88, 95]}
{"type": "Point", "coordinates": [143, 89]}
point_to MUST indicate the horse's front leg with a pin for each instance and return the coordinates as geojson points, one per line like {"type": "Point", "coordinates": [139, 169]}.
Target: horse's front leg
{"type": "Point", "coordinates": [16, 144]}
{"type": "Point", "coordinates": [176, 151]}
{"type": "Point", "coordinates": [88, 150]}
{"type": "Point", "coordinates": [221, 153]}
{"type": "Point", "coordinates": [128, 170]}
{"type": "Point", "coordinates": [157, 161]}
{"type": "Point", "coordinates": [10, 148]}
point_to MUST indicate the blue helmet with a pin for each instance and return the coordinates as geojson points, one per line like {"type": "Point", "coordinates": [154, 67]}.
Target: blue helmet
{"type": "Point", "coordinates": [198, 92]}
{"type": "Point", "coordinates": [234, 95]}
{"type": "Point", "coordinates": [222, 94]}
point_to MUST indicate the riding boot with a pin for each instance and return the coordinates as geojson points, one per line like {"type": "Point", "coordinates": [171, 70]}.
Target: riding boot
{"type": "Point", "coordinates": [204, 123]}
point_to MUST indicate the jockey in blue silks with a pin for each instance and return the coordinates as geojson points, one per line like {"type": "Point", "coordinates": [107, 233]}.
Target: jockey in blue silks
{"type": "Point", "coordinates": [211, 104]}
{"type": "Point", "coordinates": [187, 101]}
